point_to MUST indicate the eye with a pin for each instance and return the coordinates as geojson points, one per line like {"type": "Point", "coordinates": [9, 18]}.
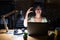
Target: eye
{"type": "Point", "coordinates": [38, 9]}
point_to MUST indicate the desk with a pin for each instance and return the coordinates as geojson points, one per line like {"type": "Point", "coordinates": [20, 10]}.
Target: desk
{"type": "Point", "coordinates": [11, 36]}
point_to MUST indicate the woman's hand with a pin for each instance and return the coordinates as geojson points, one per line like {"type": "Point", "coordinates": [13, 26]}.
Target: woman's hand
{"type": "Point", "coordinates": [29, 11]}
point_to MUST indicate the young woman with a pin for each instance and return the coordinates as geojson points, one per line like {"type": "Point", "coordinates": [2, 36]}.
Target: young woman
{"type": "Point", "coordinates": [37, 15]}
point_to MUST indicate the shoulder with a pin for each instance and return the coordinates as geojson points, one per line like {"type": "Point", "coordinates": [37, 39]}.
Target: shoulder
{"type": "Point", "coordinates": [31, 19]}
{"type": "Point", "coordinates": [44, 19]}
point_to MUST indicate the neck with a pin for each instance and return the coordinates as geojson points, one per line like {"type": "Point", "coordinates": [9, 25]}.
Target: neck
{"type": "Point", "coordinates": [38, 16]}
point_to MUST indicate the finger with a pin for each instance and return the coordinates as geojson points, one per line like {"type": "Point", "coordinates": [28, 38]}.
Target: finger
{"type": "Point", "coordinates": [31, 11]}
{"type": "Point", "coordinates": [30, 8]}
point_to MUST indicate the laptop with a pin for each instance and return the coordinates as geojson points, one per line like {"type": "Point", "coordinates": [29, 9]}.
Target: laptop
{"type": "Point", "coordinates": [38, 28]}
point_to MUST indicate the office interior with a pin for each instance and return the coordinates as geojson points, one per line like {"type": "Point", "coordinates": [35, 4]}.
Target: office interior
{"type": "Point", "coordinates": [12, 13]}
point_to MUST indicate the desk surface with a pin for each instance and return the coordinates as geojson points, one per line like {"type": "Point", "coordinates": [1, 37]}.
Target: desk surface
{"type": "Point", "coordinates": [14, 37]}
{"type": "Point", "coordinates": [11, 36]}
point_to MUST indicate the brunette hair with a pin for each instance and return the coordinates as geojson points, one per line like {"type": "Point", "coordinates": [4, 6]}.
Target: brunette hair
{"type": "Point", "coordinates": [35, 5]}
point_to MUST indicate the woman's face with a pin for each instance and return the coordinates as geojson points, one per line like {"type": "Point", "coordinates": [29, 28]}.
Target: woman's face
{"type": "Point", "coordinates": [38, 10]}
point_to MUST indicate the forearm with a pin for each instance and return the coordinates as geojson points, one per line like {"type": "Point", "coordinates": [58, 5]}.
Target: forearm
{"type": "Point", "coordinates": [26, 20]}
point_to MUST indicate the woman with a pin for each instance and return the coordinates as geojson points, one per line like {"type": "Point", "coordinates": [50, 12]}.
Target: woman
{"type": "Point", "coordinates": [37, 17]}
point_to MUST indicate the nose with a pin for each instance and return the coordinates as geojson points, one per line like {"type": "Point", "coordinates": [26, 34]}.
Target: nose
{"type": "Point", "coordinates": [38, 9]}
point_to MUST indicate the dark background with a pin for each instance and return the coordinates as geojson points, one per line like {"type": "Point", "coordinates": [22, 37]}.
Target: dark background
{"type": "Point", "coordinates": [52, 10]}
